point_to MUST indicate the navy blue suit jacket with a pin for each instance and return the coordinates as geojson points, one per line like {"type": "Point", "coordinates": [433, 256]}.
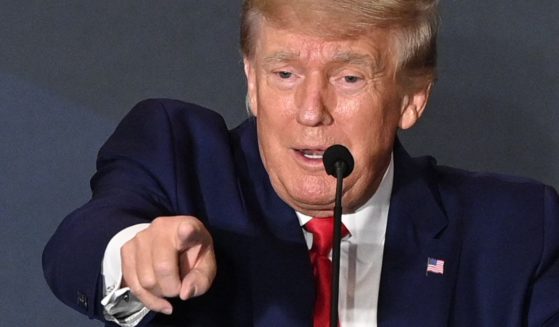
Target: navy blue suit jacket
{"type": "Point", "coordinates": [498, 236]}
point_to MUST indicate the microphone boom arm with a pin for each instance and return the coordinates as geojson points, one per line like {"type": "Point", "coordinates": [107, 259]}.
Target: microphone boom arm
{"type": "Point", "coordinates": [339, 163]}
{"type": "Point", "coordinates": [340, 171]}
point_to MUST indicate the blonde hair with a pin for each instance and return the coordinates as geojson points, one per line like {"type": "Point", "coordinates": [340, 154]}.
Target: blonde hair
{"type": "Point", "coordinates": [413, 23]}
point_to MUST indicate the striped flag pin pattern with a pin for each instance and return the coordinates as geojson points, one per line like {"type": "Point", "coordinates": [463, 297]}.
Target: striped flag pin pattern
{"type": "Point", "coordinates": [435, 266]}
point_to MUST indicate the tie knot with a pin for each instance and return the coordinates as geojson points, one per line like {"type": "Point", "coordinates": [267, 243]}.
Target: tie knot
{"type": "Point", "coordinates": [323, 233]}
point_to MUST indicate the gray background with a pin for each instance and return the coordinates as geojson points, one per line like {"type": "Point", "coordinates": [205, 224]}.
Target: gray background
{"type": "Point", "coordinates": [69, 70]}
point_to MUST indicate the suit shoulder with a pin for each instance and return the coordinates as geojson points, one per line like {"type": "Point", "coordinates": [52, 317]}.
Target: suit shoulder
{"type": "Point", "coordinates": [461, 178]}
{"type": "Point", "coordinates": [159, 121]}
{"type": "Point", "coordinates": [492, 189]}
{"type": "Point", "coordinates": [165, 129]}
{"type": "Point", "coordinates": [175, 110]}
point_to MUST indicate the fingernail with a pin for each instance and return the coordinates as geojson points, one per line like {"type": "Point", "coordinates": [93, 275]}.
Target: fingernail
{"type": "Point", "coordinates": [168, 310]}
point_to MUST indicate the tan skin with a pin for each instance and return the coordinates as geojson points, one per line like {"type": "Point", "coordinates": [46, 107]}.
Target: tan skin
{"type": "Point", "coordinates": [172, 257]}
{"type": "Point", "coordinates": [307, 93]}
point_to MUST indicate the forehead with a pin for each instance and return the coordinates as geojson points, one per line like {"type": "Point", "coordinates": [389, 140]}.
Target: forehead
{"type": "Point", "coordinates": [273, 43]}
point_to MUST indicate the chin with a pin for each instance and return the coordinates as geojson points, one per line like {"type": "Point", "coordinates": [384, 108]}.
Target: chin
{"type": "Point", "coordinates": [313, 198]}
{"type": "Point", "coordinates": [306, 192]}
{"type": "Point", "coordinates": [315, 187]}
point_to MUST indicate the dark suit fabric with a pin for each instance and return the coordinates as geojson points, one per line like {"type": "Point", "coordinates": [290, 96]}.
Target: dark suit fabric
{"type": "Point", "coordinates": [499, 236]}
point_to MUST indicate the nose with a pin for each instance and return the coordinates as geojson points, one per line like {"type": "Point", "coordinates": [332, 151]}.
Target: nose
{"type": "Point", "coordinates": [311, 95]}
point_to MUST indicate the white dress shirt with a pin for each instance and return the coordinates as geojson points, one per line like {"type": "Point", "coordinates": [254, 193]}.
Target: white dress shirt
{"type": "Point", "coordinates": [361, 256]}
{"type": "Point", "coordinates": [360, 264]}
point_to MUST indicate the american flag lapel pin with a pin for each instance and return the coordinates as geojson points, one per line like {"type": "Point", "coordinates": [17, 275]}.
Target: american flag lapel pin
{"type": "Point", "coordinates": [435, 266]}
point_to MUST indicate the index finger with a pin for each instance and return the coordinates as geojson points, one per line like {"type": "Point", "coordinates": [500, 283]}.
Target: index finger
{"type": "Point", "coordinates": [166, 268]}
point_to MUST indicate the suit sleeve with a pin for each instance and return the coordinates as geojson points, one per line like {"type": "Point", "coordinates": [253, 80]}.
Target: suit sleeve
{"type": "Point", "coordinates": [135, 182]}
{"type": "Point", "coordinates": [544, 302]}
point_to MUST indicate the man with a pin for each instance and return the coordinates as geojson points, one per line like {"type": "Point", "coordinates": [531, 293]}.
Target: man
{"type": "Point", "coordinates": [212, 225]}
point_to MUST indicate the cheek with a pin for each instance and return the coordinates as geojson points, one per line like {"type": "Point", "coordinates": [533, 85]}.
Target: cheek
{"type": "Point", "coordinates": [360, 120]}
{"type": "Point", "coordinates": [375, 116]}
{"type": "Point", "coordinates": [370, 125]}
{"type": "Point", "coordinates": [275, 106]}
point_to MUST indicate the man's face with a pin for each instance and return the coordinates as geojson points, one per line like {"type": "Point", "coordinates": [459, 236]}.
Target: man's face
{"type": "Point", "coordinates": [309, 93]}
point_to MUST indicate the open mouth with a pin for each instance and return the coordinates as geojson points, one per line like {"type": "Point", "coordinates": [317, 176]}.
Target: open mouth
{"type": "Point", "coordinates": [312, 154]}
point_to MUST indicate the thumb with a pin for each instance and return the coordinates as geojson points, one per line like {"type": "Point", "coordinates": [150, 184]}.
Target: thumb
{"type": "Point", "coordinates": [200, 271]}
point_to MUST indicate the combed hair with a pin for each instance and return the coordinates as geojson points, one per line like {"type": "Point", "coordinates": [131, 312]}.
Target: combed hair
{"type": "Point", "coordinates": [414, 24]}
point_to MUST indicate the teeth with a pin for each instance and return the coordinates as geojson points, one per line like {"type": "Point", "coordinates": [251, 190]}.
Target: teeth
{"type": "Point", "coordinates": [312, 155]}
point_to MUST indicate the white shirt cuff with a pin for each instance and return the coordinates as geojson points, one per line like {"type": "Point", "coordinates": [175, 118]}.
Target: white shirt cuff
{"type": "Point", "coordinates": [120, 305]}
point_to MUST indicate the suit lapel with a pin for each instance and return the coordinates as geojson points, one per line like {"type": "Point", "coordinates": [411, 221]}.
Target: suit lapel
{"type": "Point", "coordinates": [281, 282]}
{"type": "Point", "coordinates": [418, 229]}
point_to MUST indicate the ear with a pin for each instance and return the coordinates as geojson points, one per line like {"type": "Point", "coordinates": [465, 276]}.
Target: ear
{"type": "Point", "coordinates": [413, 106]}
{"type": "Point", "coordinates": [250, 74]}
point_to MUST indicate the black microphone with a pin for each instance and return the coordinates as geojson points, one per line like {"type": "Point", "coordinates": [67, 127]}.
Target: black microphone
{"type": "Point", "coordinates": [338, 156]}
{"type": "Point", "coordinates": [339, 163]}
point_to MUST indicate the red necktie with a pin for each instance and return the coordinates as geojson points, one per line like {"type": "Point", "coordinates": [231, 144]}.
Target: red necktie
{"type": "Point", "coordinates": [322, 230]}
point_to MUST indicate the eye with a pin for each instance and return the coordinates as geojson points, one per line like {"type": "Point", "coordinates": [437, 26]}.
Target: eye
{"type": "Point", "coordinates": [352, 79]}
{"type": "Point", "coordinates": [283, 78]}
{"type": "Point", "coordinates": [349, 80]}
{"type": "Point", "coordinates": [284, 74]}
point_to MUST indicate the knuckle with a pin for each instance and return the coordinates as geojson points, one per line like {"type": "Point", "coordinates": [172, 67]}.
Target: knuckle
{"type": "Point", "coordinates": [195, 231]}
{"type": "Point", "coordinates": [147, 281]}
{"type": "Point", "coordinates": [163, 268]}
{"type": "Point", "coordinates": [194, 221]}
{"type": "Point", "coordinates": [159, 222]}
{"type": "Point", "coordinates": [156, 221]}
{"type": "Point", "coordinates": [187, 229]}
{"type": "Point", "coordinates": [141, 235]}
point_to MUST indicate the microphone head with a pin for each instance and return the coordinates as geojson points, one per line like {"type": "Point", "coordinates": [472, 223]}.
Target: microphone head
{"type": "Point", "coordinates": [338, 154]}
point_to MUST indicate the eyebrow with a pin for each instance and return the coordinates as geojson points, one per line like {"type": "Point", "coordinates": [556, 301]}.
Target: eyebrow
{"type": "Point", "coordinates": [354, 59]}
{"type": "Point", "coordinates": [281, 56]}
{"type": "Point", "coordinates": [374, 63]}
